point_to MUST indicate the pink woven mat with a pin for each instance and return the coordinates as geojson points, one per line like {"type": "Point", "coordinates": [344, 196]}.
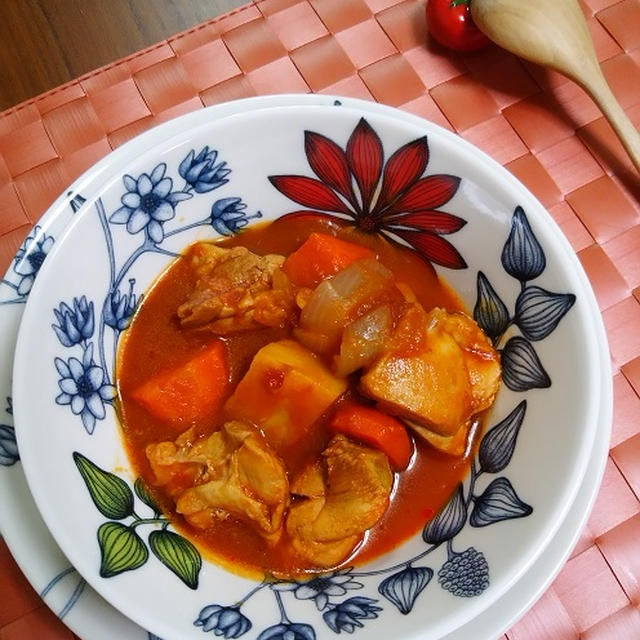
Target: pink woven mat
{"type": "Point", "coordinates": [539, 125]}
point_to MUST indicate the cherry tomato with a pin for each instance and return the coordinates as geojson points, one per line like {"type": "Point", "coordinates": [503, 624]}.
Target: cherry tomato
{"type": "Point", "coordinates": [450, 23]}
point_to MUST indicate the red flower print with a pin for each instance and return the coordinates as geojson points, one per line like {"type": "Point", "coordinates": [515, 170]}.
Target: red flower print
{"type": "Point", "coordinates": [392, 198]}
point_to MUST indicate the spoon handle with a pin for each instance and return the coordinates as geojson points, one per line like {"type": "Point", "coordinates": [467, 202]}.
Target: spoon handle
{"type": "Point", "coordinates": [554, 34]}
{"type": "Point", "coordinates": [602, 95]}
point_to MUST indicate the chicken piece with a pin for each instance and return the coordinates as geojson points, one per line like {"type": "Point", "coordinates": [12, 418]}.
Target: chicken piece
{"type": "Point", "coordinates": [235, 474]}
{"type": "Point", "coordinates": [482, 360]}
{"type": "Point", "coordinates": [322, 554]}
{"type": "Point", "coordinates": [309, 485]}
{"type": "Point", "coordinates": [310, 481]}
{"type": "Point", "coordinates": [341, 495]}
{"type": "Point", "coordinates": [422, 377]}
{"type": "Point", "coordinates": [439, 371]}
{"type": "Point", "coordinates": [359, 481]}
{"type": "Point", "coordinates": [454, 445]}
{"type": "Point", "coordinates": [236, 290]}
{"type": "Point", "coordinates": [186, 462]}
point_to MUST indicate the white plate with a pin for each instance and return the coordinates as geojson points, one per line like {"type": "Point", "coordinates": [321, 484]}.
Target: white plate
{"type": "Point", "coordinates": [200, 117]}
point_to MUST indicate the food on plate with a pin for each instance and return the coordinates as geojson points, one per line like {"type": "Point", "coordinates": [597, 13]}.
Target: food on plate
{"type": "Point", "coordinates": [438, 370]}
{"type": "Point", "coordinates": [191, 390]}
{"type": "Point", "coordinates": [232, 473]}
{"type": "Point", "coordinates": [375, 428]}
{"type": "Point", "coordinates": [321, 256]}
{"type": "Point", "coordinates": [339, 497]}
{"type": "Point", "coordinates": [236, 290]}
{"type": "Point", "coordinates": [302, 395]}
{"type": "Point", "coordinates": [285, 392]}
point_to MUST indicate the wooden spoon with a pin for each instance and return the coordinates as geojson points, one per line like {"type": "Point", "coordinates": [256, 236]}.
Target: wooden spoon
{"type": "Point", "coordinates": [554, 33]}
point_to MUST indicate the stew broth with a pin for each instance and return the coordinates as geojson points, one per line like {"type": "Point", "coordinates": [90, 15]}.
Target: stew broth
{"type": "Point", "coordinates": [155, 341]}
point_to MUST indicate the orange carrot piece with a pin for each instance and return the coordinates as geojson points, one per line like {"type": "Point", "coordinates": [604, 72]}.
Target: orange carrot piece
{"type": "Point", "coordinates": [190, 392]}
{"type": "Point", "coordinates": [375, 428]}
{"type": "Point", "coordinates": [321, 256]}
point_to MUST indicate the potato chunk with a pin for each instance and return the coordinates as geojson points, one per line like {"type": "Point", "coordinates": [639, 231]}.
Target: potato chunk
{"type": "Point", "coordinates": [341, 496]}
{"type": "Point", "coordinates": [286, 389]}
{"type": "Point", "coordinates": [440, 370]}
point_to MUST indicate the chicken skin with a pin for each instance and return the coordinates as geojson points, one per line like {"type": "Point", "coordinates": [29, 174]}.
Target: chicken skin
{"type": "Point", "coordinates": [340, 496]}
{"type": "Point", "coordinates": [236, 290]}
{"type": "Point", "coordinates": [232, 473]}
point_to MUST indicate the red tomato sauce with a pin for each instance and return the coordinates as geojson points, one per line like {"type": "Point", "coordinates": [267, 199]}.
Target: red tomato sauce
{"type": "Point", "coordinates": [156, 341]}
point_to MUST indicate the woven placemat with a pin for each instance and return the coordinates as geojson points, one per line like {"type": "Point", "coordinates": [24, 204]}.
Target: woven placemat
{"type": "Point", "coordinates": [539, 125]}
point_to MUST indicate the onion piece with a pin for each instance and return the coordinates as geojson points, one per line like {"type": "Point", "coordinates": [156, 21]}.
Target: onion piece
{"type": "Point", "coordinates": [363, 340]}
{"type": "Point", "coordinates": [340, 299]}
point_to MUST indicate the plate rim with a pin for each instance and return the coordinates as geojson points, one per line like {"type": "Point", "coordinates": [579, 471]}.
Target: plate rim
{"type": "Point", "coordinates": [421, 122]}
{"type": "Point", "coordinates": [28, 441]}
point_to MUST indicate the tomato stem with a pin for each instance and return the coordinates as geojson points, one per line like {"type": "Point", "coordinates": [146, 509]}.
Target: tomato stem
{"type": "Point", "coordinates": [456, 3]}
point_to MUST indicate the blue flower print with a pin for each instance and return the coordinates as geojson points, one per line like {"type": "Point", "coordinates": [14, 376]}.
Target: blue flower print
{"type": "Point", "coordinates": [119, 308]}
{"type": "Point", "coordinates": [228, 216]}
{"type": "Point", "coordinates": [201, 171]}
{"type": "Point", "coordinates": [74, 325]}
{"type": "Point", "coordinates": [465, 574]}
{"type": "Point", "coordinates": [148, 203]}
{"type": "Point", "coordinates": [321, 588]}
{"type": "Point", "coordinates": [8, 446]}
{"type": "Point", "coordinates": [29, 258]}
{"type": "Point", "coordinates": [84, 388]}
{"type": "Point", "coordinates": [288, 631]}
{"type": "Point", "coordinates": [346, 616]}
{"type": "Point", "coordinates": [403, 588]}
{"type": "Point", "coordinates": [76, 201]}
{"type": "Point", "coordinates": [223, 621]}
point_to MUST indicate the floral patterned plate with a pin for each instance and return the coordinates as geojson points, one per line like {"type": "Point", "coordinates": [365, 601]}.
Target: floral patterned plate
{"type": "Point", "coordinates": [411, 181]}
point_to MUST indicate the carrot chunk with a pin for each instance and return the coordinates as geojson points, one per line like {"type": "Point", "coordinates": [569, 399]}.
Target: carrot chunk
{"type": "Point", "coordinates": [190, 392]}
{"type": "Point", "coordinates": [374, 428]}
{"type": "Point", "coordinates": [321, 256]}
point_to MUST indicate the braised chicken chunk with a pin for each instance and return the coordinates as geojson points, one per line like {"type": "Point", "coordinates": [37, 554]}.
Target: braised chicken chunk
{"type": "Point", "coordinates": [310, 489]}
{"type": "Point", "coordinates": [340, 497]}
{"type": "Point", "coordinates": [234, 473]}
{"type": "Point", "coordinates": [480, 358]}
{"type": "Point", "coordinates": [439, 372]}
{"type": "Point", "coordinates": [236, 290]}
